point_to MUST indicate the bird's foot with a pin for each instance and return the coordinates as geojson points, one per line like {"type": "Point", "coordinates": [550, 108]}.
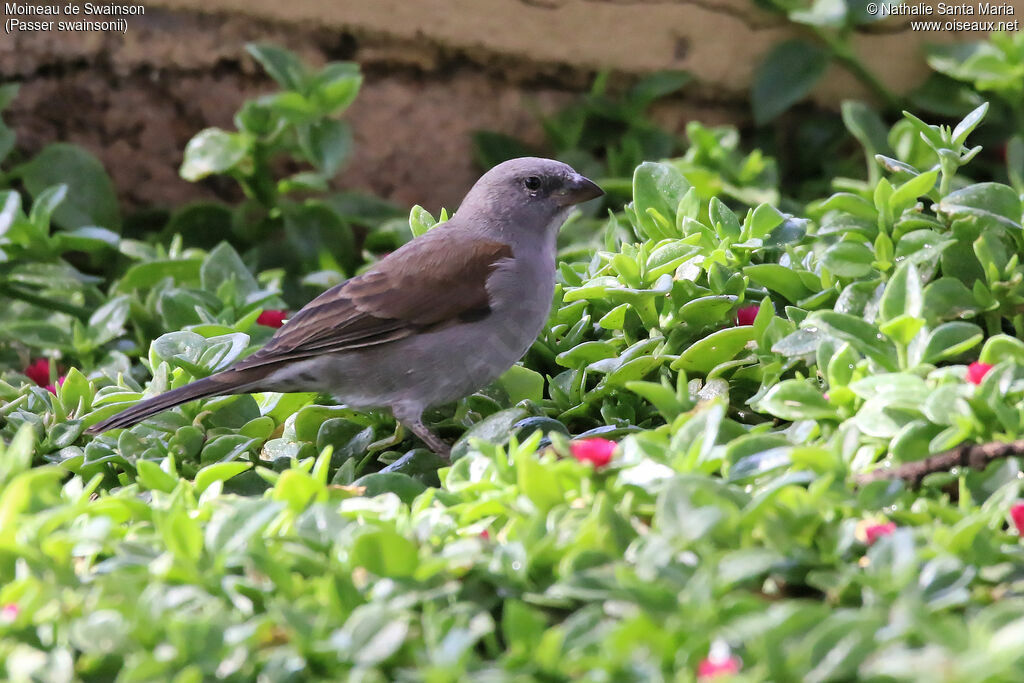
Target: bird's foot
{"type": "Point", "coordinates": [432, 440]}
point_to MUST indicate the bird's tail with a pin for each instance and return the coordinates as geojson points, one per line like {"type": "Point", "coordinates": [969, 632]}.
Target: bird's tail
{"type": "Point", "coordinates": [221, 384]}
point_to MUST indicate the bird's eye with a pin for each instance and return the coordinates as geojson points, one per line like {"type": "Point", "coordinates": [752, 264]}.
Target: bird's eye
{"type": "Point", "coordinates": [532, 183]}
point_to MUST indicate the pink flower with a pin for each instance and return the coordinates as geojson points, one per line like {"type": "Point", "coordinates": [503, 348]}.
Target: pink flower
{"type": "Point", "coordinates": [597, 451]}
{"type": "Point", "coordinates": [52, 389]}
{"type": "Point", "coordinates": [976, 372]}
{"type": "Point", "coordinates": [9, 612]}
{"type": "Point", "coordinates": [1017, 514]}
{"type": "Point", "coordinates": [873, 532]}
{"type": "Point", "coordinates": [746, 315]}
{"type": "Point", "coordinates": [272, 318]}
{"type": "Point", "coordinates": [713, 667]}
{"type": "Point", "coordinates": [485, 534]}
{"type": "Point", "coordinates": [39, 371]}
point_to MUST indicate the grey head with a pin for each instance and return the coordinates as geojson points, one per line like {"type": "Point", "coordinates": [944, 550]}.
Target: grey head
{"type": "Point", "coordinates": [529, 192]}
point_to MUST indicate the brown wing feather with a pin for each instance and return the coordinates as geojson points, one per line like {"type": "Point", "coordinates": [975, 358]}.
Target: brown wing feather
{"type": "Point", "coordinates": [427, 285]}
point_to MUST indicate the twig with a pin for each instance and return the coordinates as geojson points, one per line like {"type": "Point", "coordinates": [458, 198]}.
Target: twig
{"type": "Point", "coordinates": [975, 456]}
{"type": "Point", "coordinates": [13, 292]}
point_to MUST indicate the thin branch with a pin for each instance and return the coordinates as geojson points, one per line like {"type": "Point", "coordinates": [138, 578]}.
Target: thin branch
{"type": "Point", "coordinates": [975, 456]}
{"type": "Point", "coordinates": [13, 292]}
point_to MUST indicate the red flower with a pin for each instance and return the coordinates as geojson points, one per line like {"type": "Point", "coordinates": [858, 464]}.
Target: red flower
{"type": "Point", "coordinates": [485, 534]}
{"type": "Point", "coordinates": [1017, 514]}
{"type": "Point", "coordinates": [873, 532]}
{"type": "Point", "coordinates": [597, 451]}
{"type": "Point", "coordinates": [976, 372]}
{"type": "Point", "coordinates": [39, 372]}
{"type": "Point", "coordinates": [52, 389]}
{"type": "Point", "coordinates": [713, 667]}
{"type": "Point", "coordinates": [272, 318]}
{"type": "Point", "coordinates": [9, 612]}
{"type": "Point", "coordinates": [746, 315]}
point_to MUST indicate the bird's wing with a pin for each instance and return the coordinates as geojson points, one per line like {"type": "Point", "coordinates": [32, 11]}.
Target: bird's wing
{"type": "Point", "coordinates": [412, 289]}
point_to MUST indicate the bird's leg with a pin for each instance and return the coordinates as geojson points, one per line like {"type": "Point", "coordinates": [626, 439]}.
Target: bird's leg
{"type": "Point", "coordinates": [432, 440]}
{"type": "Point", "coordinates": [412, 417]}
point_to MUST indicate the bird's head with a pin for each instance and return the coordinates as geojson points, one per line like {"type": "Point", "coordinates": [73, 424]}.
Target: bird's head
{"type": "Point", "coordinates": [530, 191]}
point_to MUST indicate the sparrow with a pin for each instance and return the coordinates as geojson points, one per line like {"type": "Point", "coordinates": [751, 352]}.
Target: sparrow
{"type": "Point", "coordinates": [433, 321]}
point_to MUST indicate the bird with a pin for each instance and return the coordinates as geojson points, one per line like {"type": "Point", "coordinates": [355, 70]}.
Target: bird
{"type": "Point", "coordinates": [440, 317]}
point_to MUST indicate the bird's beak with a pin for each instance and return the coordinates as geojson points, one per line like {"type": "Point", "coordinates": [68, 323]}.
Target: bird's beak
{"type": "Point", "coordinates": [577, 190]}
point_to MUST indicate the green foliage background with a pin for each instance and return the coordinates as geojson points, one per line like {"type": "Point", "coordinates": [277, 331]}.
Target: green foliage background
{"type": "Point", "coordinates": [286, 537]}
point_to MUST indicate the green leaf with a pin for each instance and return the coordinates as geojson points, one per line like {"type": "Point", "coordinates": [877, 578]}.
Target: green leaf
{"type": "Point", "coordinates": [867, 126]}
{"type": "Point", "coordinates": [536, 482]}
{"type": "Point", "coordinates": [852, 204]}
{"type": "Point", "coordinates": [660, 188]}
{"type": "Point", "coordinates": [45, 204]}
{"type": "Point", "coordinates": [849, 259]}
{"type": "Point", "coordinates": [969, 123]}
{"type": "Point", "coordinates": [196, 354]}
{"type": "Point", "coordinates": [420, 220]}
{"type": "Point", "coordinates": [327, 144]}
{"type": "Point", "coordinates": [786, 75]}
{"type": "Point", "coordinates": [763, 220]}
{"type": "Point", "coordinates": [795, 399]}
{"type": "Point", "coordinates": [294, 108]}
{"type": "Point", "coordinates": [227, 448]}
{"type": "Point", "coordinates": [716, 348]}
{"type": "Point", "coordinates": [706, 311]}
{"type": "Point", "coordinates": [661, 397]}
{"type": "Point", "coordinates": [657, 85]}
{"type": "Point", "coordinates": [902, 329]}
{"type": "Point", "coordinates": [522, 384]}
{"type": "Point", "coordinates": [902, 295]}
{"type": "Point", "coordinates": [522, 626]}
{"type": "Point", "coordinates": [370, 635]}
{"type": "Point", "coordinates": [947, 298]}
{"type": "Point", "coordinates": [91, 198]}
{"type": "Point", "coordinates": [384, 552]}
{"type": "Point", "coordinates": [297, 489]}
{"type": "Point", "coordinates": [314, 229]}
{"type": "Point", "coordinates": [108, 321]}
{"type": "Point", "coordinates": [213, 151]}
{"type": "Point", "coordinates": [144, 275]}
{"type": "Point", "coordinates": [336, 86]}
{"type": "Point", "coordinates": [402, 485]}
{"type": "Point", "coordinates": [724, 219]}
{"type": "Point", "coordinates": [991, 203]}
{"type": "Point", "coordinates": [778, 279]}
{"type": "Point", "coordinates": [931, 134]}
{"type": "Point", "coordinates": [895, 165]}
{"type": "Point", "coordinates": [1001, 347]}
{"type": "Point", "coordinates": [951, 339]}
{"type": "Point", "coordinates": [88, 238]}
{"type": "Point", "coordinates": [494, 428]}
{"type": "Point", "coordinates": [221, 471]}
{"type": "Point", "coordinates": [906, 194]}
{"type": "Point", "coordinates": [894, 387]}
{"type": "Point", "coordinates": [223, 265]}
{"type": "Point", "coordinates": [586, 353]}
{"type": "Point", "coordinates": [282, 65]}
{"type": "Point", "coordinates": [75, 392]}
{"type": "Point", "coordinates": [1014, 162]}
{"type": "Point", "coordinates": [153, 478]}
{"type": "Point", "coordinates": [862, 336]}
